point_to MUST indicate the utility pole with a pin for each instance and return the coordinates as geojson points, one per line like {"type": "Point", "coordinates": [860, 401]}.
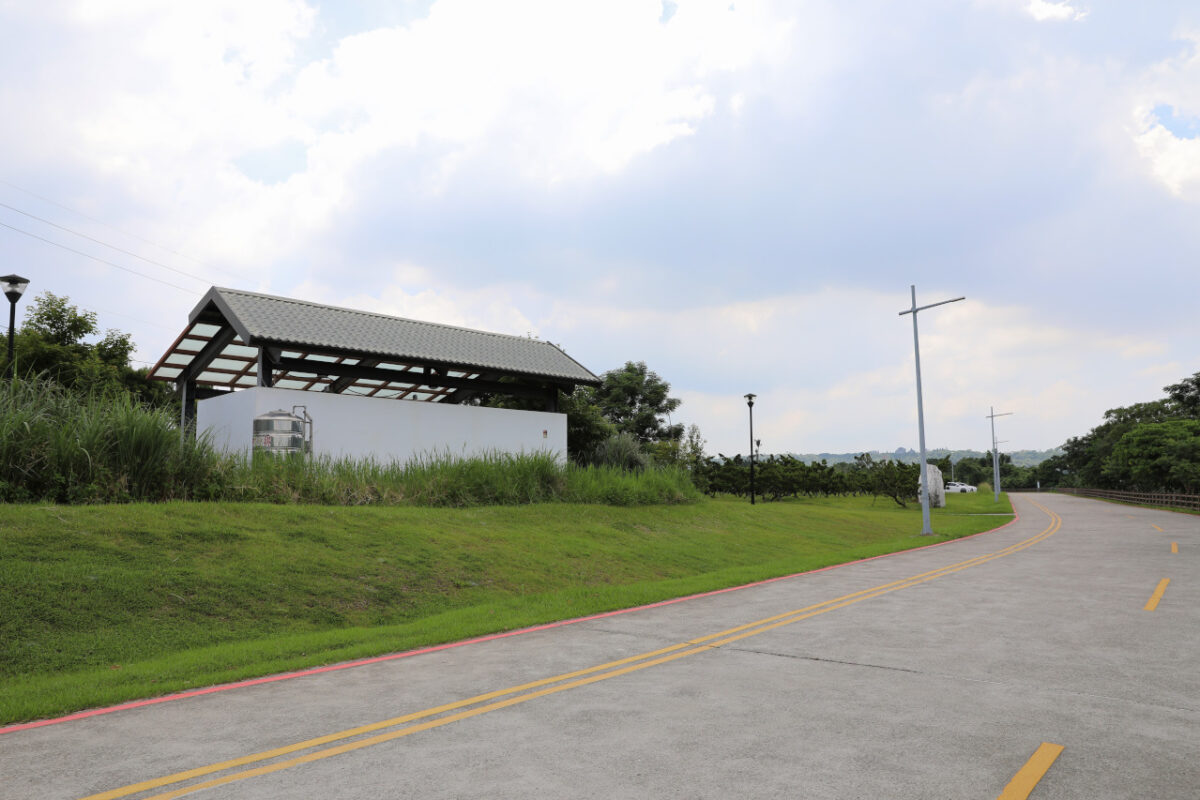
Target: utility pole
{"type": "Point", "coordinates": [926, 528]}
{"type": "Point", "coordinates": [750, 403]}
{"type": "Point", "coordinates": [996, 451]}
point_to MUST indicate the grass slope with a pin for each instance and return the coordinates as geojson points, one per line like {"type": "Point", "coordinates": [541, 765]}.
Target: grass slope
{"type": "Point", "coordinates": [101, 604]}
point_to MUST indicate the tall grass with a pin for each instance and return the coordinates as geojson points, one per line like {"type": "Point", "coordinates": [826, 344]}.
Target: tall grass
{"type": "Point", "coordinates": [64, 447]}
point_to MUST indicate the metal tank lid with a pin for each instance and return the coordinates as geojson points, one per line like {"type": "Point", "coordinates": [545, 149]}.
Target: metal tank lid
{"type": "Point", "coordinates": [279, 412]}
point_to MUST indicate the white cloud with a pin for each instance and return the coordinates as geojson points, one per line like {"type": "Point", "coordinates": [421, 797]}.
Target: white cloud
{"type": "Point", "coordinates": [571, 88]}
{"type": "Point", "coordinates": [166, 100]}
{"type": "Point", "coordinates": [1174, 84]}
{"type": "Point", "coordinates": [833, 369]}
{"type": "Point", "coordinates": [1043, 10]}
{"type": "Point", "coordinates": [676, 192]}
{"type": "Point", "coordinates": [1173, 160]}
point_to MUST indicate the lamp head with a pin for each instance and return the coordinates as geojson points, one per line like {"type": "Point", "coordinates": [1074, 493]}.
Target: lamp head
{"type": "Point", "coordinates": [750, 400]}
{"type": "Point", "coordinates": [14, 287]}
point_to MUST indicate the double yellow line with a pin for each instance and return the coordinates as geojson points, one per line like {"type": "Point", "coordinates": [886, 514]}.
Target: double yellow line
{"type": "Point", "coordinates": [358, 738]}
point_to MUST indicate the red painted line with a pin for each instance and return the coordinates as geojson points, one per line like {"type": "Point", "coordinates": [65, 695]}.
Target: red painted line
{"type": "Point", "coordinates": [284, 676]}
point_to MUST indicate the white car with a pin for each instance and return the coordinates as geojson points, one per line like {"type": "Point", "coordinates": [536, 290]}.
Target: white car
{"type": "Point", "coordinates": [955, 486]}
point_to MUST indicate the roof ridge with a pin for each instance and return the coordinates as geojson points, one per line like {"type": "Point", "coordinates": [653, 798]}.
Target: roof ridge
{"type": "Point", "coordinates": [387, 316]}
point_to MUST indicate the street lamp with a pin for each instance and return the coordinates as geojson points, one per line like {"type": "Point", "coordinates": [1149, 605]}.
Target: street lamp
{"type": "Point", "coordinates": [750, 404]}
{"type": "Point", "coordinates": [996, 451]}
{"type": "Point", "coordinates": [14, 287]}
{"type": "Point", "coordinates": [926, 528]}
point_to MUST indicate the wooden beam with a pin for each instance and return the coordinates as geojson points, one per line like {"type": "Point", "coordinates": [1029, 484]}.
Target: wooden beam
{"type": "Point", "coordinates": [210, 351]}
{"type": "Point", "coordinates": [416, 379]}
{"type": "Point", "coordinates": [345, 381]}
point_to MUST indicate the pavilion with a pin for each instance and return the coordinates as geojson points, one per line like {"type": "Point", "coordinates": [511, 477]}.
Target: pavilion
{"type": "Point", "coordinates": [275, 351]}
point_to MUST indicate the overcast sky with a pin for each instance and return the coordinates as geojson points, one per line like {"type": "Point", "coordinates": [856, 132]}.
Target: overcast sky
{"type": "Point", "coordinates": [737, 193]}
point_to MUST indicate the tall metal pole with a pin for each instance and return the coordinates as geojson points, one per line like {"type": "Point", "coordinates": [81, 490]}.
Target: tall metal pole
{"type": "Point", "coordinates": [926, 528]}
{"type": "Point", "coordinates": [996, 451]}
{"type": "Point", "coordinates": [750, 403]}
{"type": "Point", "coordinates": [12, 324]}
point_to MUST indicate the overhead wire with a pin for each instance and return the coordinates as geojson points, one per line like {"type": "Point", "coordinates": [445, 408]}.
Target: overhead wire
{"type": "Point", "coordinates": [105, 244]}
{"type": "Point", "coordinates": [113, 228]}
{"type": "Point", "coordinates": [101, 260]}
{"type": "Point", "coordinates": [132, 318]}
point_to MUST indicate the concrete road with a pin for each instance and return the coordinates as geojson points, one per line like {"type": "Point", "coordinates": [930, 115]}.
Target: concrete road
{"type": "Point", "coordinates": [930, 674]}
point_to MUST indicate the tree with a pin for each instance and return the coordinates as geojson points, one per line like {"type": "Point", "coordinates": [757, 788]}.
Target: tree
{"type": "Point", "coordinates": [1185, 397]}
{"type": "Point", "coordinates": [1086, 455]}
{"type": "Point", "coordinates": [637, 401]}
{"type": "Point", "coordinates": [55, 321]}
{"type": "Point", "coordinates": [972, 470]}
{"type": "Point", "coordinates": [944, 464]}
{"type": "Point", "coordinates": [888, 478]}
{"type": "Point", "coordinates": [586, 425]}
{"type": "Point", "coordinates": [1157, 457]}
{"type": "Point", "coordinates": [52, 343]}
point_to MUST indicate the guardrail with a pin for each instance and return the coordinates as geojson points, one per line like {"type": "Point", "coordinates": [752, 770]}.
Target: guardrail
{"type": "Point", "coordinates": [1161, 499]}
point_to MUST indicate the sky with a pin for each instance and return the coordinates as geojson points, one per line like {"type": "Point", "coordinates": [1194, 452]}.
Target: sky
{"type": "Point", "coordinates": [739, 194]}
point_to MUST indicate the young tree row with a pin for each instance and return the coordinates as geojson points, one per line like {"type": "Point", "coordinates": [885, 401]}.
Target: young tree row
{"type": "Point", "coordinates": [777, 477]}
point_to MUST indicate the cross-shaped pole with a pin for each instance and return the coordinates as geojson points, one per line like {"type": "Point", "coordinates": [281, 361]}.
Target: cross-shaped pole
{"type": "Point", "coordinates": [996, 450]}
{"type": "Point", "coordinates": [926, 528]}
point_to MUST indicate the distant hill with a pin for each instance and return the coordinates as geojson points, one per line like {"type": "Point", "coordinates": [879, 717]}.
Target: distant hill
{"type": "Point", "coordinates": [1021, 458]}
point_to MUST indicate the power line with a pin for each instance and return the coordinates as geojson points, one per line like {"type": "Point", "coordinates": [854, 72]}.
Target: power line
{"type": "Point", "coordinates": [113, 228]}
{"type": "Point", "coordinates": [101, 260]}
{"type": "Point", "coordinates": [106, 244]}
{"type": "Point", "coordinates": [132, 319]}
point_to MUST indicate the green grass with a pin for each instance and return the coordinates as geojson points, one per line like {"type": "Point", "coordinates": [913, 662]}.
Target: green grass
{"type": "Point", "coordinates": [101, 604]}
{"type": "Point", "coordinates": [979, 502]}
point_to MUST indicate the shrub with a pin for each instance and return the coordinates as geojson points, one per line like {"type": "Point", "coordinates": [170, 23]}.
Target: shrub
{"type": "Point", "coordinates": [64, 446]}
{"type": "Point", "coordinates": [621, 450]}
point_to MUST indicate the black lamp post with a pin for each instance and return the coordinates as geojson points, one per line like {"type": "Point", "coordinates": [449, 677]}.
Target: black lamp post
{"type": "Point", "coordinates": [14, 287]}
{"type": "Point", "coordinates": [750, 403]}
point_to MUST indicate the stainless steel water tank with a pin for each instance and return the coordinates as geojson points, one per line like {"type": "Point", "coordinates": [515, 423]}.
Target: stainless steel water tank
{"type": "Point", "coordinates": [279, 433]}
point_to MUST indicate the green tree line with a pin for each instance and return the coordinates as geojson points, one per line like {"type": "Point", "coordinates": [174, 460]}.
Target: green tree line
{"type": "Point", "coordinates": [1152, 446]}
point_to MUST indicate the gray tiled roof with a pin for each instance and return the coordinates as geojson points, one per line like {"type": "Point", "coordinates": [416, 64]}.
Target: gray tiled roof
{"type": "Point", "coordinates": [265, 319]}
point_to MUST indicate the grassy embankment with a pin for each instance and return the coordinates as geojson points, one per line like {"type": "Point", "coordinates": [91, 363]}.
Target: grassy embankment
{"type": "Point", "coordinates": [100, 604]}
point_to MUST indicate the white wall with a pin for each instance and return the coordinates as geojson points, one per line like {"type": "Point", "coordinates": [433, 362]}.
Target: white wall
{"type": "Point", "coordinates": [345, 426]}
